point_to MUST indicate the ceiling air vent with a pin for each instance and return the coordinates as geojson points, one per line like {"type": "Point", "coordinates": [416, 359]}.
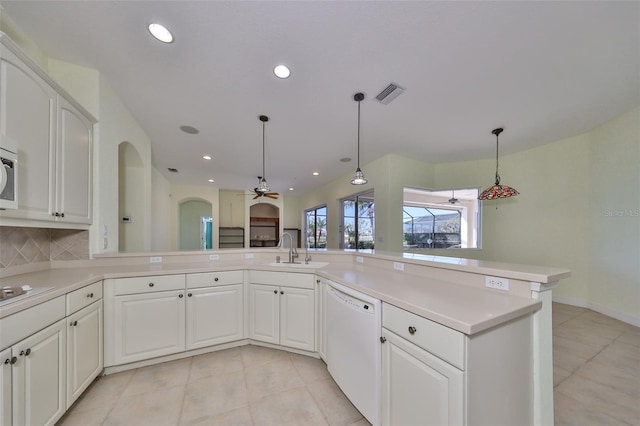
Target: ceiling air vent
{"type": "Point", "coordinates": [389, 93]}
{"type": "Point", "coordinates": [172, 170]}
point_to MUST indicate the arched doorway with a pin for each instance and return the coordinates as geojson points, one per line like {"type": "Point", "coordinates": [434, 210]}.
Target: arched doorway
{"type": "Point", "coordinates": [196, 225]}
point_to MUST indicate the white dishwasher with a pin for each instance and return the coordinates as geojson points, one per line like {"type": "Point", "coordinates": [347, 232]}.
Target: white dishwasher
{"type": "Point", "coordinates": [353, 325]}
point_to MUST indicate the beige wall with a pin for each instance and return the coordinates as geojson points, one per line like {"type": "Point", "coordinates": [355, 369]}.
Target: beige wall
{"type": "Point", "coordinates": [579, 208]}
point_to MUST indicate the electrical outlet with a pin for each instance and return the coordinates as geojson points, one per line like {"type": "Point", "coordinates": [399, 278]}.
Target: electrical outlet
{"type": "Point", "coordinates": [359, 259]}
{"type": "Point", "coordinates": [399, 266]}
{"type": "Point", "coordinates": [155, 259]}
{"type": "Point", "coordinates": [497, 283]}
{"type": "Point", "coordinates": [214, 257]}
{"type": "Point", "coordinates": [249, 255]}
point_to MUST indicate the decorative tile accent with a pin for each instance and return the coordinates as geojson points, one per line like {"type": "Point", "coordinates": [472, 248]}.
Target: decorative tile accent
{"type": "Point", "coordinates": [21, 246]}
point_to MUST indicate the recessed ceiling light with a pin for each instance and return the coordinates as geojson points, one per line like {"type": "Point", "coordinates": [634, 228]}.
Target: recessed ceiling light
{"type": "Point", "coordinates": [211, 180]}
{"type": "Point", "coordinates": [291, 189]}
{"type": "Point", "coordinates": [315, 173]}
{"type": "Point", "coordinates": [282, 71]}
{"type": "Point", "coordinates": [189, 129]}
{"type": "Point", "coordinates": [161, 33]}
{"type": "Point", "coordinates": [207, 157]}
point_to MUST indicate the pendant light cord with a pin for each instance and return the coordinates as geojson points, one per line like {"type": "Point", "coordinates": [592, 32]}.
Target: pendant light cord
{"type": "Point", "coordinates": [263, 175]}
{"type": "Point", "coordinates": [359, 134]}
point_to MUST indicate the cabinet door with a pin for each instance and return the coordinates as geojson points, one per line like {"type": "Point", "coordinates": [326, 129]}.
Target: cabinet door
{"type": "Point", "coordinates": [73, 164]}
{"type": "Point", "coordinates": [39, 377]}
{"type": "Point", "coordinates": [84, 349]}
{"type": "Point", "coordinates": [264, 313]}
{"type": "Point", "coordinates": [297, 318]}
{"type": "Point", "coordinates": [214, 315]}
{"type": "Point", "coordinates": [148, 325]}
{"type": "Point", "coordinates": [27, 117]}
{"type": "Point", "coordinates": [419, 388]}
{"type": "Point", "coordinates": [5, 387]}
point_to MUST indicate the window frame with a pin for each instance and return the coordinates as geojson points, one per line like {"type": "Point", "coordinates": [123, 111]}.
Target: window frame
{"type": "Point", "coordinates": [307, 230]}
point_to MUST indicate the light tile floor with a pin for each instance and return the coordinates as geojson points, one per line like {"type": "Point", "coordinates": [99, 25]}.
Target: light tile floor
{"type": "Point", "coordinates": [596, 368]}
{"type": "Point", "coordinates": [596, 380]}
{"type": "Point", "coordinates": [248, 385]}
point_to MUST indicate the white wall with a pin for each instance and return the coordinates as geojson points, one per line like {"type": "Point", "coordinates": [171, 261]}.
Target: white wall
{"type": "Point", "coordinates": [160, 211]}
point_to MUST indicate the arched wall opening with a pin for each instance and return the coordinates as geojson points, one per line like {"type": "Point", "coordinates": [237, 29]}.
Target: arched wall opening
{"type": "Point", "coordinates": [195, 224]}
{"type": "Point", "coordinates": [131, 214]}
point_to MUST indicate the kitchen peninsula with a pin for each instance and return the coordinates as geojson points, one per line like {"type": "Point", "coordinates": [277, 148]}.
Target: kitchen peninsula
{"type": "Point", "coordinates": [476, 340]}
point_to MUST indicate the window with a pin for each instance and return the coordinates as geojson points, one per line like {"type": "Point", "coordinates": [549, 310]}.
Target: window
{"type": "Point", "coordinates": [440, 219]}
{"type": "Point", "coordinates": [316, 227]}
{"type": "Point", "coordinates": [358, 222]}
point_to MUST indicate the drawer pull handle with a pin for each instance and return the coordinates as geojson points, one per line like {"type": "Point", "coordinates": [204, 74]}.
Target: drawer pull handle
{"type": "Point", "coordinates": [412, 330]}
{"type": "Point", "coordinates": [383, 339]}
{"type": "Point", "coordinates": [216, 279]}
{"type": "Point", "coordinates": [90, 295]}
{"type": "Point", "coordinates": [151, 284]}
{"type": "Point", "coordinates": [181, 295]}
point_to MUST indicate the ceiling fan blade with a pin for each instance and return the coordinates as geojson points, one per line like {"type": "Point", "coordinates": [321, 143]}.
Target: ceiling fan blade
{"type": "Point", "coordinates": [257, 196]}
{"type": "Point", "coordinates": [272, 195]}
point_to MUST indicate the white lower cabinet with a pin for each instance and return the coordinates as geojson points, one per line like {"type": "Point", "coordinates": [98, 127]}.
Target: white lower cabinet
{"type": "Point", "coordinates": [283, 314]}
{"type": "Point", "coordinates": [6, 362]}
{"type": "Point", "coordinates": [148, 325]}
{"type": "Point", "coordinates": [84, 349]}
{"type": "Point", "coordinates": [149, 317]}
{"type": "Point", "coordinates": [418, 388]}
{"type": "Point", "coordinates": [38, 377]}
{"type": "Point", "coordinates": [214, 315]}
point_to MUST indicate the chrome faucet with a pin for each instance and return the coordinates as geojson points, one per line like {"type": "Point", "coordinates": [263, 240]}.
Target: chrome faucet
{"type": "Point", "coordinates": [293, 253]}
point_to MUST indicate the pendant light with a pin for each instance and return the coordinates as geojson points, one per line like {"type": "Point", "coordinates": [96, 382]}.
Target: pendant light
{"type": "Point", "coordinates": [497, 190]}
{"type": "Point", "coordinates": [263, 187]}
{"type": "Point", "coordinates": [358, 177]}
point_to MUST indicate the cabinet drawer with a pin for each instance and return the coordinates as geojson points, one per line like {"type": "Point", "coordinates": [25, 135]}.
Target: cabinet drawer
{"type": "Point", "coordinates": [148, 284]}
{"type": "Point", "coordinates": [84, 296]}
{"type": "Point", "coordinates": [286, 279]}
{"type": "Point", "coordinates": [209, 279]}
{"type": "Point", "coordinates": [24, 323]}
{"type": "Point", "coordinates": [441, 341]}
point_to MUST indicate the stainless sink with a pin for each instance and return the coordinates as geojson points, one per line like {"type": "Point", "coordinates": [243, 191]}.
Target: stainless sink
{"type": "Point", "coordinates": [10, 294]}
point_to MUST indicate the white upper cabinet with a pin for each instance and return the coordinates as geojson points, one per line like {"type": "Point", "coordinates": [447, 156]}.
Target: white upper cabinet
{"type": "Point", "coordinates": [54, 137]}
{"type": "Point", "coordinates": [27, 118]}
{"type": "Point", "coordinates": [73, 164]}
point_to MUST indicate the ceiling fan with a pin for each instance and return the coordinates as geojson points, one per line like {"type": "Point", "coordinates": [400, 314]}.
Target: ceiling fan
{"type": "Point", "coordinates": [452, 200]}
{"type": "Point", "coordinates": [263, 190]}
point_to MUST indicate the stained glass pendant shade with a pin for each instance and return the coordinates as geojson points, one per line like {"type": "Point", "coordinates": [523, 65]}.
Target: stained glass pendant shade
{"type": "Point", "coordinates": [497, 190]}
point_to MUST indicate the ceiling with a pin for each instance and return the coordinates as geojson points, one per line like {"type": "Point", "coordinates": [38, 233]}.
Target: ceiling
{"type": "Point", "coordinates": [542, 70]}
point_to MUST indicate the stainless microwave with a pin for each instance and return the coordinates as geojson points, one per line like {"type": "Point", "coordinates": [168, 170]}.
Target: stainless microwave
{"type": "Point", "coordinates": [8, 174]}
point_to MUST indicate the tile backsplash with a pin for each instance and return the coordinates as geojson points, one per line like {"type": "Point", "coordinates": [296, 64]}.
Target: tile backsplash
{"type": "Point", "coordinates": [22, 246]}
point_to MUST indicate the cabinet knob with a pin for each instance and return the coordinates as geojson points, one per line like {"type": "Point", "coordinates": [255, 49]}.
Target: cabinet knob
{"type": "Point", "coordinates": [317, 281]}
{"type": "Point", "coordinates": [75, 323]}
{"type": "Point", "coordinates": [383, 339]}
{"type": "Point", "coordinates": [281, 292]}
{"type": "Point", "coordinates": [90, 295]}
{"type": "Point", "coordinates": [412, 330]}
{"type": "Point", "coordinates": [275, 291]}
{"type": "Point", "coordinates": [7, 361]}
{"type": "Point", "coordinates": [151, 284]}
{"type": "Point", "coordinates": [10, 361]}
{"type": "Point", "coordinates": [61, 214]}
{"type": "Point", "coordinates": [25, 353]}
{"type": "Point", "coordinates": [181, 295]}
{"type": "Point", "coordinates": [189, 294]}
{"type": "Point", "coordinates": [216, 279]}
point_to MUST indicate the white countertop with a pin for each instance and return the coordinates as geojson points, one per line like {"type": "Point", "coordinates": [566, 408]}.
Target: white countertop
{"type": "Point", "coordinates": [460, 307]}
